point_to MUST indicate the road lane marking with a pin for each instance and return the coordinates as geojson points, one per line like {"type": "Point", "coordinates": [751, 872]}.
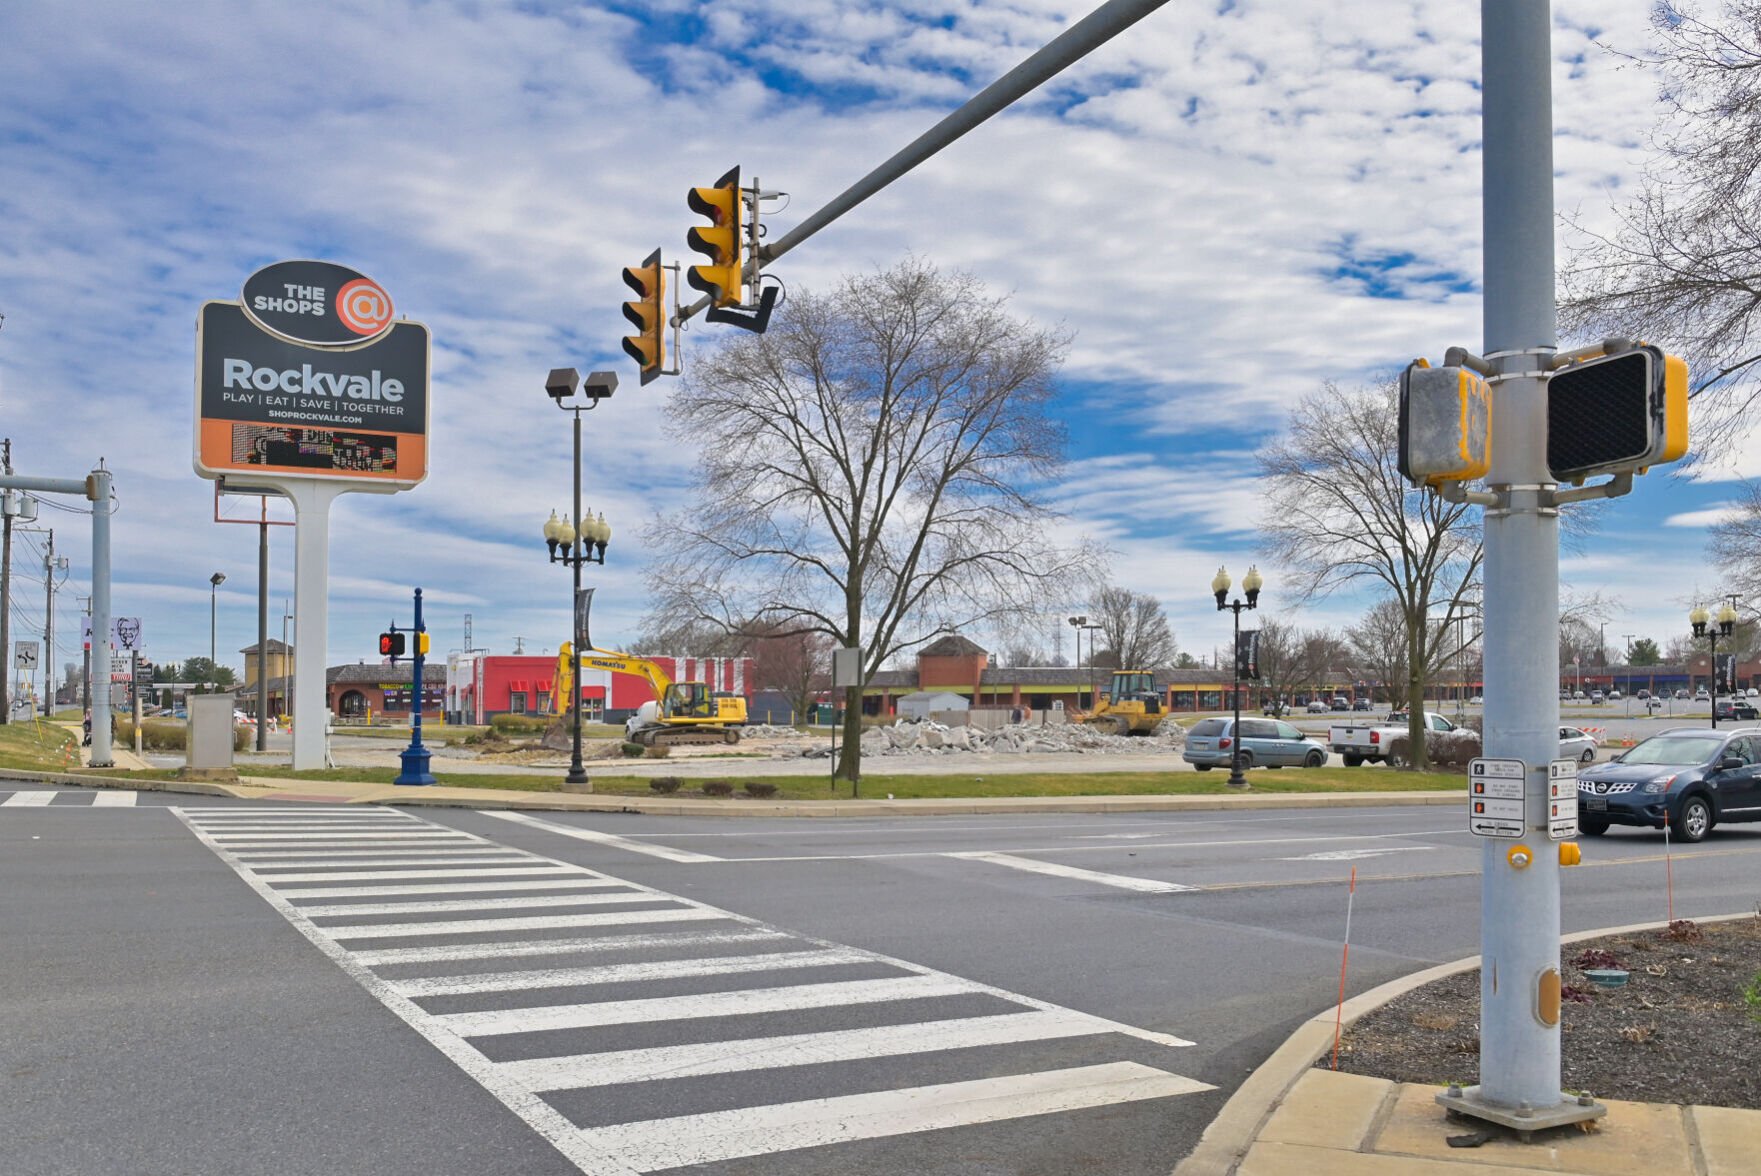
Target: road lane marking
{"type": "Point", "coordinates": [114, 798]}
{"type": "Point", "coordinates": [1118, 881]}
{"type": "Point", "coordinates": [608, 839]}
{"type": "Point", "coordinates": [647, 972]}
{"type": "Point", "coordinates": [437, 906]}
{"type": "Point", "coordinates": [29, 799]}
{"type": "Point", "coordinates": [563, 882]}
{"type": "Point", "coordinates": [523, 923]}
{"type": "Point", "coordinates": [463, 853]}
{"type": "Point", "coordinates": [1352, 855]}
{"type": "Point", "coordinates": [376, 837]}
{"type": "Point", "coordinates": [655, 1144]}
{"type": "Point", "coordinates": [614, 1067]}
{"type": "Point", "coordinates": [647, 1010]}
{"type": "Point", "coordinates": [469, 868]}
{"type": "Point", "coordinates": [1136, 847]}
{"type": "Point", "coordinates": [512, 949]}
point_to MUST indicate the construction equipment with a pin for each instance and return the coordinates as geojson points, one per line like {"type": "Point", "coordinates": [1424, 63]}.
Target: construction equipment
{"type": "Point", "coordinates": [1131, 705]}
{"type": "Point", "coordinates": [685, 712]}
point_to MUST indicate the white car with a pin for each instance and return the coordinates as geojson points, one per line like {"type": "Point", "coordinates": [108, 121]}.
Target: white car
{"type": "Point", "coordinates": [1614, 696]}
{"type": "Point", "coordinates": [1754, 693]}
{"type": "Point", "coordinates": [1702, 696]}
{"type": "Point", "coordinates": [1578, 745]}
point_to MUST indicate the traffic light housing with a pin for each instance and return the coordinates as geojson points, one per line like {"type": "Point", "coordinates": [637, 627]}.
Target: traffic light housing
{"type": "Point", "coordinates": [648, 345]}
{"type": "Point", "coordinates": [720, 239]}
{"type": "Point", "coordinates": [422, 643]}
{"type": "Point", "coordinates": [1620, 413]}
{"type": "Point", "coordinates": [1445, 425]}
{"type": "Point", "coordinates": [391, 645]}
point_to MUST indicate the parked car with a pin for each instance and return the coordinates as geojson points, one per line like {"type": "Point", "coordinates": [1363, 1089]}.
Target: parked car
{"type": "Point", "coordinates": [1681, 693]}
{"type": "Point", "coordinates": [1653, 703]}
{"type": "Point", "coordinates": [1341, 703]}
{"type": "Point", "coordinates": [1274, 707]}
{"type": "Point", "coordinates": [1734, 708]}
{"type": "Point", "coordinates": [1361, 743]}
{"type": "Point", "coordinates": [1614, 696]}
{"type": "Point", "coordinates": [1577, 695]}
{"type": "Point", "coordinates": [1362, 704]}
{"type": "Point", "coordinates": [1578, 745]}
{"type": "Point", "coordinates": [1691, 778]}
{"type": "Point", "coordinates": [1700, 695]}
{"type": "Point", "coordinates": [1643, 694]}
{"type": "Point", "coordinates": [1317, 707]}
{"type": "Point", "coordinates": [1270, 743]}
{"type": "Point", "coordinates": [1596, 696]}
{"type": "Point", "coordinates": [1752, 693]}
{"type": "Point", "coordinates": [1477, 700]}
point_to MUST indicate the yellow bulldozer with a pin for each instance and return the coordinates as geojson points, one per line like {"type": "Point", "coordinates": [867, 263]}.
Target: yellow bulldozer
{"type": "Point", "coordinates": [1131, 705]}
{"type": "Point", "coordinates": [684, 712]}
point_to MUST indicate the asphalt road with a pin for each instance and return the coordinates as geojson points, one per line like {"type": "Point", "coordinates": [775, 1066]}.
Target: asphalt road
{"type": "Point", "coordinates": [195, 985]}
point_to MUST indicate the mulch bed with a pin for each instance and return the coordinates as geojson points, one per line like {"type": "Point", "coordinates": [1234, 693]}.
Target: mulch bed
{"type": "Point", "coordinates": [1685, 1029]}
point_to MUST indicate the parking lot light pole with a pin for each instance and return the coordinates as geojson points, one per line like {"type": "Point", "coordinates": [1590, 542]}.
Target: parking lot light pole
{"type": "Point", "coordinates": [1250, 587]}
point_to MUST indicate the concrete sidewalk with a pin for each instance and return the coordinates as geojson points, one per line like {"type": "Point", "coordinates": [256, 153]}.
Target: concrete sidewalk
{"type": "Point", "coordinates": [283, 789]}
{"type": "Point", "coordinates": [1292, 1119]}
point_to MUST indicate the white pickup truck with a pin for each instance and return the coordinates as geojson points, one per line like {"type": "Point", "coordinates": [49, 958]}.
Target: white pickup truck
{"type": "Point", "coordinates": [1360, 743]}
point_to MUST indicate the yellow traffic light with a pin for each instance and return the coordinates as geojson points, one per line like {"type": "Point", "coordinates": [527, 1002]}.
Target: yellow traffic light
{"type": "Point", "coordinates": [720, 239]}
{"type": "Point", "coordinates": [648, 345]}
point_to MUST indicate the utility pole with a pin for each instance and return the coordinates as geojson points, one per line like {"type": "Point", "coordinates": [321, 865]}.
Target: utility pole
{"type": "Point", "coordinates": [85, 693]}
{"type": "Point", "coordinates": [49, 624]}
{"type": "Point", "coordinates": [1520, 985]}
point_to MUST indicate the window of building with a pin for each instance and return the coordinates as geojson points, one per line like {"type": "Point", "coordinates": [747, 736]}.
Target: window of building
{"type": "Point", "coordinates": [517, 702]}
{"type": "Point", "coordinates": [544, 701]}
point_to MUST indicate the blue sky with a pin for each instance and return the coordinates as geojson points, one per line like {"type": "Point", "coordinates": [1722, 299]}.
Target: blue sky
{"type": "Point", "coordinates": [1227, 206]}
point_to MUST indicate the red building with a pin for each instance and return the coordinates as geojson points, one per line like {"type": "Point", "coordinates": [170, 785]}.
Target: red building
{"type": "Point", "coordinates": [481, 686]}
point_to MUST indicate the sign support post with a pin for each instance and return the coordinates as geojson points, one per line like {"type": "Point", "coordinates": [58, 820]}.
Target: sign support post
{"type": "Point", "coordinates": [311, 502]}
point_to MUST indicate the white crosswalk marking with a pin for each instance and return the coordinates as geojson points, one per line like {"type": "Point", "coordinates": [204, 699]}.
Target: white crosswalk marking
{"type": "Point", "coordinates": [22, 799]}
{"type": "Point", "coordinates": [651, 954]}
{"type": "Point", "coordinates": [114, 798]}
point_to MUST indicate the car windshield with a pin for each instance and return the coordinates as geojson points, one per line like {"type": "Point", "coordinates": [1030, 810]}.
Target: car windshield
{"type": "Point", "coordinates": [1674, 750]}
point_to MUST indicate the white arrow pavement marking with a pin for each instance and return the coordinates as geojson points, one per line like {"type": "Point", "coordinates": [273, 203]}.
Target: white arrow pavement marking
{"type": "Point", "coordinates": [754, 1131]}
{"type": "Point", "coordinates": [790, 998]}
{"type": "Point", "coordinates": [1119, 881]}
{"type": "Point", "coordinates": [611, 839]}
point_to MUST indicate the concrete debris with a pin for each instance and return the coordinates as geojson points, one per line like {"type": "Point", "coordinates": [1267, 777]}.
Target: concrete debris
{"type": "Point", "coordinates": [932, 739]}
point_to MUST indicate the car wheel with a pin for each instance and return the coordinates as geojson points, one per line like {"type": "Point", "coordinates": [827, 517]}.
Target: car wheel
{"type": "Point", "coordinates": [1315, 759]}
{"type": "Point", "coordinates": [1592, 826]}
{"type": "Point", "coordinates": [1202, 767]}
{"type": "Point", "coordinates": [1353, 761]}
{"type": "Point", "coordinates": [1246, 760]}
{"type": "Point", "coordinates": [1397, 759]}
{"type": "Point", "coordinates": [1588, 757]}
{"type": "Point", "coordinates": [1695, 820]}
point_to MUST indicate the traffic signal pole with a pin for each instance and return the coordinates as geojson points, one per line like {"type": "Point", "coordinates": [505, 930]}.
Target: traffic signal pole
{"type": "Point", "coordinates": [1519, 890]}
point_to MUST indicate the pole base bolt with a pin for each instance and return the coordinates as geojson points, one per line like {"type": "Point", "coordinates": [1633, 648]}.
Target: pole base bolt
{"type": "Point", "coordinates": [1586, 1099]}
{"type": "Point", "coordinates": [1455, 1090]}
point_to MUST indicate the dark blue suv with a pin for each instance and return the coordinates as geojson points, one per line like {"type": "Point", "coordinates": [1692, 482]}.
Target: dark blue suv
{"type": "Point", "coordinates": [1691, 777]}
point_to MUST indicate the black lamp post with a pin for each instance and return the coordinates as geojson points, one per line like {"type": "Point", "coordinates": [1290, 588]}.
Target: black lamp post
{"type": "Point", "coordinates": [1250, 587]}
{"type": "Point", "coordinates": [1725, 625]}
{"type": "Point", "coordinates": [214, 583]}
{"type": "Point", "coordinates": [1079, 623]}
{"type": "Point", "coordinates": [577, 543]}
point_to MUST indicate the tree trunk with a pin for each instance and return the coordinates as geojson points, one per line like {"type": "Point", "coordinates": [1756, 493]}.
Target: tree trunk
{"type": "Point", "coordinates": [1417, 759]}
{"type": "Point", "coordinates": [850, 753]}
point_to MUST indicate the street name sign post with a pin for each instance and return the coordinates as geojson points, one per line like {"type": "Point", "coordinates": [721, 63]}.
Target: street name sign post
{"type": "Point", "coordinates": [309, 387]}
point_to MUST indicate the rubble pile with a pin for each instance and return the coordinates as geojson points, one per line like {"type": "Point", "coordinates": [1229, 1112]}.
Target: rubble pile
{"type": "Point", "coordinates": [930, 739]}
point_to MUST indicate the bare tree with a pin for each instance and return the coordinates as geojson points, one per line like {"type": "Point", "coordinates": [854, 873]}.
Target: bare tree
{"type": "Point", "coordinates": [663, 634]}
{"type": "Point", "coordinates": [1684, 262]}
{"type": "Point", "coordinates": [1339, 514]}
{"type": "Point", "coordinates": [1292, 658]}
{"type": "Point", "coordinates": [1736, 544]}
{"type": "Point", "coordinates": [1134, 630]}
{"type": "Point", "coordinates": [867, 471]}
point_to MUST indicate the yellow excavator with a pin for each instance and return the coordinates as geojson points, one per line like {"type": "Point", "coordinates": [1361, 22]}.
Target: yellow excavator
{"type": "Point", "coordinates": [686, 712]}
{"type": "Point", "coordinates": [1131, 705]}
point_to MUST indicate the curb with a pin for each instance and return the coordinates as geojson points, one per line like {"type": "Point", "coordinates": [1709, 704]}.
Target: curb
{"type": "Point", "coordinates": [1226, 1141]}
{"type": "Point", "coordinates": [658, 806]}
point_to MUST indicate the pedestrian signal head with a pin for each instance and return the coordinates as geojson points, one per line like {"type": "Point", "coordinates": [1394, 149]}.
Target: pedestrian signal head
{"type": "Point", "coordinates": [391, 645]}
{"type": "Point", "coordinates": [1445, 425]}
{"type": "Point", "coordinates": [648, 345]}
{"type": "Point", "coordinates": [720, 239]}
{"type": "Point", "coordinates": [1620, 413]}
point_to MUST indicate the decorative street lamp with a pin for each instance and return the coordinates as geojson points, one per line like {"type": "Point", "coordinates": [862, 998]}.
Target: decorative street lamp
{"type": "Point", "coordinates": [1250, 587]}
{"type": "Point", "coordinates": [1079, 623]}
{"type": "Point", "coordinates": [576, 545]}
{"type": "Point", "coordinates": [1726, 624]}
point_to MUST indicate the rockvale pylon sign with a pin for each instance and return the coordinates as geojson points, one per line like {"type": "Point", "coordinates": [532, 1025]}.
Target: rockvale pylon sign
{"type": "Point", "coordinates": [309, 387]}
{"type": "Point", "coordinates": [309, 375]}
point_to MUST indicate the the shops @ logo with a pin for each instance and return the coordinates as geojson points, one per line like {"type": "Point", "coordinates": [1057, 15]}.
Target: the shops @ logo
{"type": "Point", "coordinates": [364, 307]}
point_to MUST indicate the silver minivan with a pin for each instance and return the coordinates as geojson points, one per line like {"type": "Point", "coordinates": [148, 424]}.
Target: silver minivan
{"type": "Point", "coordinates": [1267, 743]}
